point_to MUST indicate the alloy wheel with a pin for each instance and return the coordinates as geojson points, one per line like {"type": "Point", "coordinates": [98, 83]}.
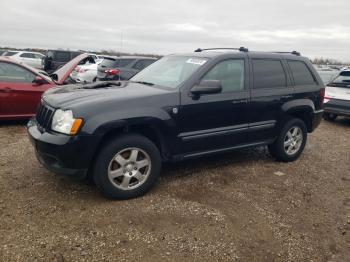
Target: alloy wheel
{"type": "Point", "coordinates": [129, 168]}
{"type": "Point", "coordinates": [293, 140]}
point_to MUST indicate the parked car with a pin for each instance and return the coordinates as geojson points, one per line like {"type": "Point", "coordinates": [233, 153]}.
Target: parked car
{"type": "Point", "coordinates": [337, 97]}
{"type": "Point", "coordinates": [21, 86]}
{"type": "Point", "coordinates": [55, 59]}
{"type": "Point", "coordinates": [85, 73]}
{"type": "Point", "coordinates": [122, 68]}
{"type": "Point", "coordinates": [30, 58]}
{"type": "Point", "coordinates": [180, 107]}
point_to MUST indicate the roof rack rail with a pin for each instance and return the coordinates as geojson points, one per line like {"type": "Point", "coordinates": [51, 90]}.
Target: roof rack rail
{"type": "Point", "coordinates": [293, 53]}
{"type": "Point", "coordinates": [241, 49]}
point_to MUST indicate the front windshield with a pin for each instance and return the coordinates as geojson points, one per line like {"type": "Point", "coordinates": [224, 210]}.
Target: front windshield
{"type": "Point", "coordinates": [170, 71]}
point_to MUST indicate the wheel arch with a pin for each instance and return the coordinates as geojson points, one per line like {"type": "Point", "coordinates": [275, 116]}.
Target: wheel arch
{"type": "Point", "coordinates": [301, 109]}
{"type": "Point", "coordinates": [152, 128]}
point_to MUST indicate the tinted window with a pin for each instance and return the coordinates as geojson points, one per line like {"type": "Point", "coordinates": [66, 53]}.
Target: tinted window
{"type": "Point", "coordinates": [141, 64]}
{"type": "Point", "coordinates": [268, 74]}
{"type": "Point", "coordinates": [301, 74]}
{"type": "Point", "coordinates": [27, 55]}
{"type": "Point", "coordinates": [13, 73]}
{"type": "Point", "coordinates": [230, 73]}
{"type": "Point", "coordinates": [62, 56]}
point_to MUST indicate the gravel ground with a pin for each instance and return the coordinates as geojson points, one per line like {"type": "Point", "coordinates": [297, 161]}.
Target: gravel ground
{"type": "Point", "coordinates": [241, 206]}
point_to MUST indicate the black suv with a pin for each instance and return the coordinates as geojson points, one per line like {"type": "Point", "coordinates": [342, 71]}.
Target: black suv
{"type": "Point", "coordinates": [122, 68]}
{"type": "Point", "coordinates": [55, 59]}
{"type": "Point", "coordinates": [180, 107]}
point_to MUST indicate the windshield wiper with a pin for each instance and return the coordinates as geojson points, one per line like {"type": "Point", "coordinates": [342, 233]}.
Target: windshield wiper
{"type": "Point", "coordinates": [143, 83]}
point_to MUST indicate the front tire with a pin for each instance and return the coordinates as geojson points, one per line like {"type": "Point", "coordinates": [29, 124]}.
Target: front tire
{"type": "Point", "coordinates": [290, 142]}
{"type": "Point", "coordinates": [127, 167]}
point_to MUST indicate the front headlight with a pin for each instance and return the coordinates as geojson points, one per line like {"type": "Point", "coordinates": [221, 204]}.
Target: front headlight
{"type": "Point", "coordinates": [64, 122]}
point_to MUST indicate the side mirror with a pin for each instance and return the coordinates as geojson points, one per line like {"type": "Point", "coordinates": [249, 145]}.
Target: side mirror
{"type": "Point", "coordinates": [207, 87]}
{"type": "Point", "coordinates": [38, 80]}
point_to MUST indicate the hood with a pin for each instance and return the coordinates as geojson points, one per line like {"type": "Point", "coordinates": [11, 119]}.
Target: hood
{"type": "Point", "coordinates": [71, 96]}
{"type": "Point", "coordinates": [63, 73]}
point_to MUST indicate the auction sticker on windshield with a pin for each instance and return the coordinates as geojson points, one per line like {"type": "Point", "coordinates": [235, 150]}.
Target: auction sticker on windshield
{"type": "Point", "coordinates": [196, 61]}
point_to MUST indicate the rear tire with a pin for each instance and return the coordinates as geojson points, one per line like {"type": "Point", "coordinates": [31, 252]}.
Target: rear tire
{"type": "Point", "coordinates": [329, 117]}
{"type": "Point", "coordinates": [127, 167]}
{"type": "Point", "coordinates": [290, 142]}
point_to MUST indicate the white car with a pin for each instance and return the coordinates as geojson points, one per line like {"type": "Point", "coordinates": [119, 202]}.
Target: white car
{"type": "Point", "coordinates": [85, 73]}
{"type": "Point", "coordinates": [30, 58]}
{"type": "Point", "coordinates": [337, 97]}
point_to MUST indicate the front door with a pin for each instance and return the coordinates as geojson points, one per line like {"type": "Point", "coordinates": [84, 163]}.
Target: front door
{"type": "Point", "coordinates": [216, 121]}
{"type": "Point", "coordinates": [19, 97]}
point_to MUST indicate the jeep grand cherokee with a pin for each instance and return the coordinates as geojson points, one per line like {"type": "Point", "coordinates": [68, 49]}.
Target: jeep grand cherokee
{"type": "Point", "coordinates": [180, 107]}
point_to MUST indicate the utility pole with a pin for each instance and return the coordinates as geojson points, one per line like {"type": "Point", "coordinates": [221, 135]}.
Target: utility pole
{"type": "Point", "coordinates": [121, 40]}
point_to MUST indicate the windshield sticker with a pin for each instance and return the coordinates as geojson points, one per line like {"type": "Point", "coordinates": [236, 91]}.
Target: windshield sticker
{"type": "Point", "coordinates": [196, 61]}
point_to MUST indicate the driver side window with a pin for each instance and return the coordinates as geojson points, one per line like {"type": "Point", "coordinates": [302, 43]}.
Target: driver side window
{"type": "Point", "coordinates": [14, 73]}
{"type": "Point", "coordinates": [230, 73]}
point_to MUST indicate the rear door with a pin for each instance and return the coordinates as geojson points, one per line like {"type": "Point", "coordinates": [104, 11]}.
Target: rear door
{"type": "Point", "coordinates": [19, 97]}
{"type": "Point", "coordinates": [270, 89]}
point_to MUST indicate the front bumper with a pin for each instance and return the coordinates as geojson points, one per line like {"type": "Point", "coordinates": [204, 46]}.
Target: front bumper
{"type": "Point", "coordinates": [63, 154]}
{"type": "Point", "coordinates": [338, 107]}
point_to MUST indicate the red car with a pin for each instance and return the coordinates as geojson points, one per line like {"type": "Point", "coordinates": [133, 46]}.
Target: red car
{"type": "Point", "coordinates": [21, 86]}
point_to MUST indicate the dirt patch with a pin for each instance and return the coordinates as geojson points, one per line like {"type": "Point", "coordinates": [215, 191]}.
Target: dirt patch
{"type": "Point", "coordinates": [241, 206]}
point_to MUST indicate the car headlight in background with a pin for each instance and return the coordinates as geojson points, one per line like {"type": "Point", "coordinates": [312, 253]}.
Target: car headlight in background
{"type": "Point", "coordinates": [64, 122]}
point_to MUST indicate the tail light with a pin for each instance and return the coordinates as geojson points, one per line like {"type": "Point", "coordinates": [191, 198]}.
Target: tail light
{"type": "Point", "coordinates": [112, 72]}
{"type": "Point", "coordinates": [322, 96]}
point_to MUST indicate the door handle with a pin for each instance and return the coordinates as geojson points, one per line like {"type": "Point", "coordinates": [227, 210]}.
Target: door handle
{"type": "Point", "coordinates": [241, 101]}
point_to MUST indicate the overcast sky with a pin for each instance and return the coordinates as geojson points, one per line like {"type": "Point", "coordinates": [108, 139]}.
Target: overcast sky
{"type": "Point", "coordinates": [314, 27]}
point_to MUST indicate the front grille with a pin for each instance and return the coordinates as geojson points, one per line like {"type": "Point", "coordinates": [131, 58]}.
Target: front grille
{"type": "Point", "coordinates": [44, 116]}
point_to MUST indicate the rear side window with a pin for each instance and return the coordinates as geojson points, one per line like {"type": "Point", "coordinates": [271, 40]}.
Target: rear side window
{"type": "Point", "coordinates": [301, 73]}
{"type": "Point", "coordinates": [62, 56]}
{"type": "Point", "coordinates": [268, 74]}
